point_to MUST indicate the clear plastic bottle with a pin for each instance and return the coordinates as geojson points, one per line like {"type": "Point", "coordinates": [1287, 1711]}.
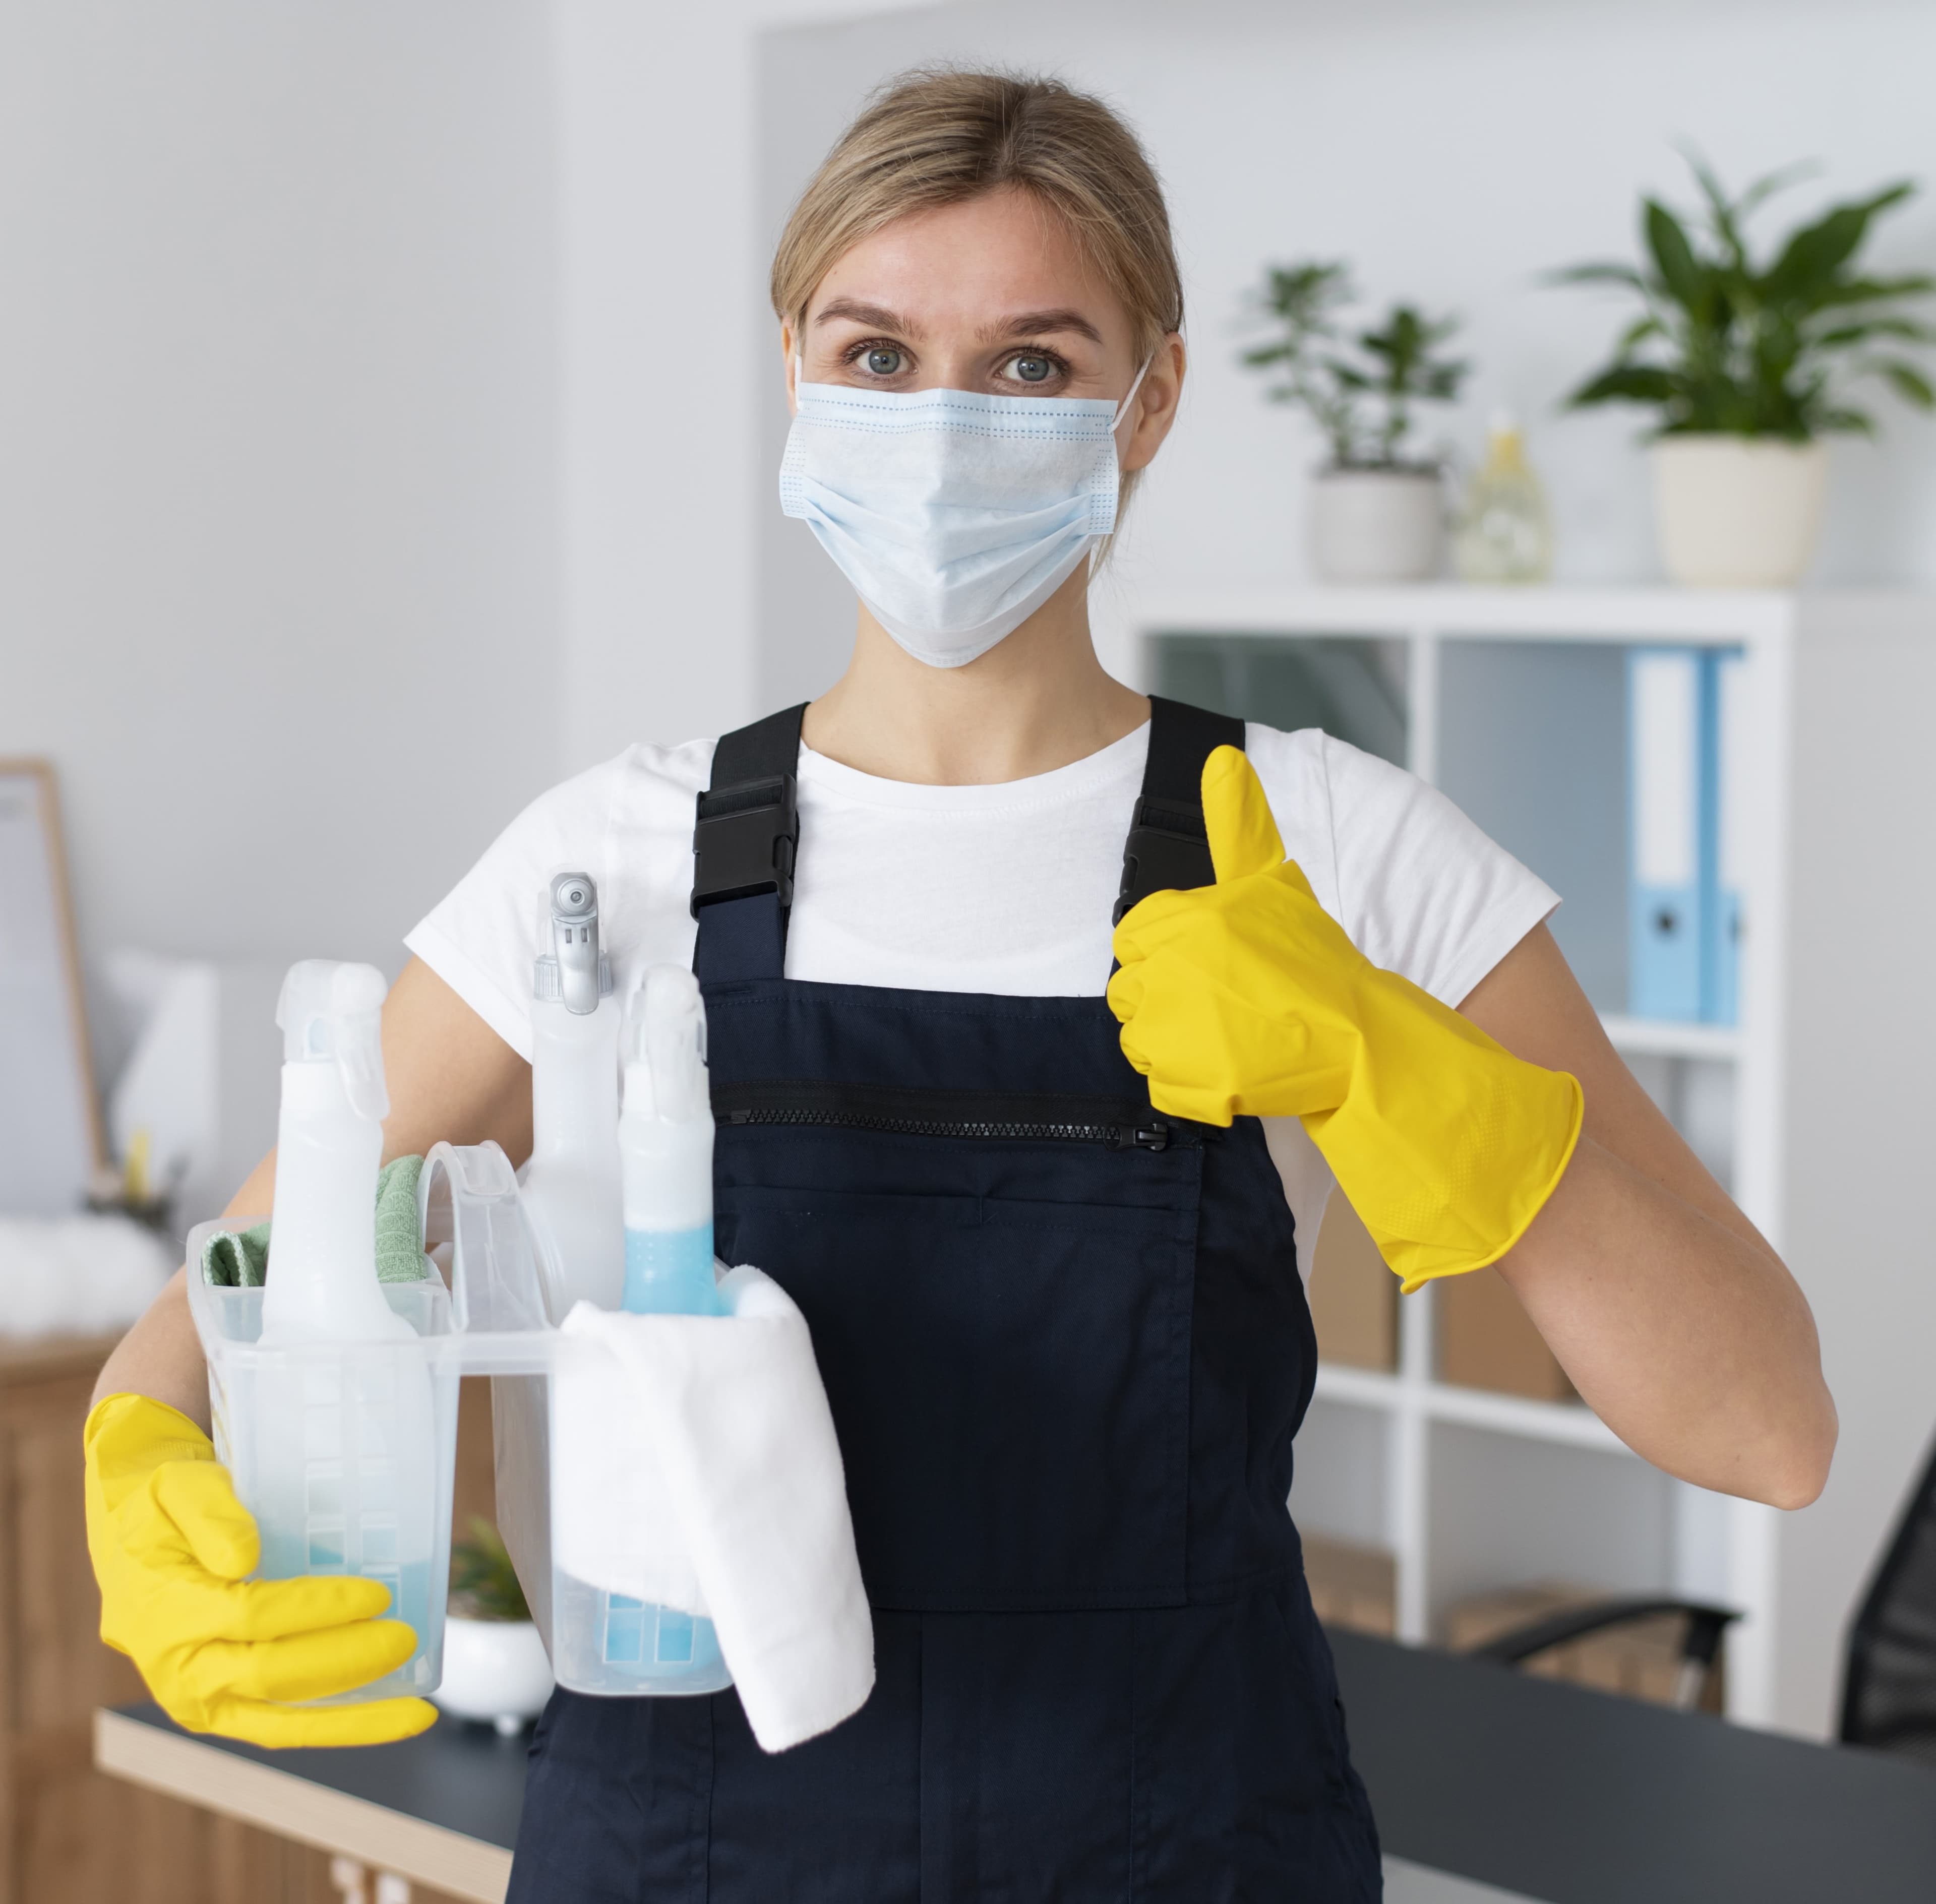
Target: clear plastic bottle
{"type": "Point", "coordinates": [570, 1185]}
{"type": "Point", "coordinates": [342, 1464]}
{"type": "Point", "coordinates": [1503, 533]}
{"type": "Point", "coordinates": [665, 1144]}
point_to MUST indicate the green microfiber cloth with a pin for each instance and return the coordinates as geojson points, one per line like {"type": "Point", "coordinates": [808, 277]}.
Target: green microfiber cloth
{"type": "Point", "coordinates": [239, 1259]}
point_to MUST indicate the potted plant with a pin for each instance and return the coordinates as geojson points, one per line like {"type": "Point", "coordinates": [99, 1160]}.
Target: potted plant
{"type": "Point", "coordinates": [494, 1667]}
{"type": "Point", "coordinates": [1745, 365]}
{"type": "Point", "coordinates": [1377, 514]}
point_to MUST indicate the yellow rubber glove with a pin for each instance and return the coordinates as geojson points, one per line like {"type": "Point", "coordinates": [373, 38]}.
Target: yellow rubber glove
{"type": "Point", "coordinates": [172, 1546]}
{"type": "Point", "coordinates": [1246, 997]}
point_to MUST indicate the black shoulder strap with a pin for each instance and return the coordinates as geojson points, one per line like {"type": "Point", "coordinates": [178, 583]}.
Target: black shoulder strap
{"type": "Point", "coordinates": [1168, 848]}
{"type": "Point", "coordinates": [743, 848]}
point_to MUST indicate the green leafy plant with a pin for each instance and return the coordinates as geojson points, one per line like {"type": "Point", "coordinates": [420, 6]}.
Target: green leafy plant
{"type": "Point", "coordinates": [1359, 389]}
{"type": "Point", "coordinates": [1727, 346]}
{"type": "Point", "coordinates": [483, 1582]}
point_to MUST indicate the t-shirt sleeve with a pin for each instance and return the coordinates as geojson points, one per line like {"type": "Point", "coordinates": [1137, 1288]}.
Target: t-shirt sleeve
{"type": "Point", "coordinates": [481, 938]}
{"type": "Point", "coordinates": [1420, 889]}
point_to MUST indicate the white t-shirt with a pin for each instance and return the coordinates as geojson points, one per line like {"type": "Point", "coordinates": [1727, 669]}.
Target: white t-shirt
{"type": "Point", "coordinates": [1005, 889]}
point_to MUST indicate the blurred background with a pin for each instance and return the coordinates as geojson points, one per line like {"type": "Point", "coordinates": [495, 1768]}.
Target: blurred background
{"type": "Point", "coordinates": [389, 412]}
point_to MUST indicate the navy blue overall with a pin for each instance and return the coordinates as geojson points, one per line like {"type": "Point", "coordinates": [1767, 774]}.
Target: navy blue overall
{"type": "Point", "coordinates": [1066, 1349]}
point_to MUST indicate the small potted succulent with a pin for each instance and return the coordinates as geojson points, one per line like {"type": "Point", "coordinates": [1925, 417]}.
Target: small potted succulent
{"type": "Point", "coordinates": [494, 1667]}
{"type": "Point", "coordinates": [1745, 365]}
{"type": "Point", "coordinates": [1377, 508]}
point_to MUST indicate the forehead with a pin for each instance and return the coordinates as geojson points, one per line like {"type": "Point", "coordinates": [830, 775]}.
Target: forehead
{"type": "Point", "coordinates": [966, 264]}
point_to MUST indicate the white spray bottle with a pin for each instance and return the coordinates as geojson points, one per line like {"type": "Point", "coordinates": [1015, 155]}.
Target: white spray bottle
{"type": "Point", "coordinates": [344, 1461]}
{"type": "Point", "coordinates": [571, 1184]}
{"type": "Point", "coordinates": [323, 1284]}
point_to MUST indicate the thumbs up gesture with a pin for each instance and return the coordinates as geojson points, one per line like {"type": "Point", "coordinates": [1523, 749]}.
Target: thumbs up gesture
{"type": "Point", "coordinates": [1247, 998]}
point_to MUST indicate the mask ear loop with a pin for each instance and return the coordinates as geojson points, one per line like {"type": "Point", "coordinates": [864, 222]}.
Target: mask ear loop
{"type": "Point", "coordinates": [1123, 408]}
{"type": "Point", "coordinates": [1115, 424]}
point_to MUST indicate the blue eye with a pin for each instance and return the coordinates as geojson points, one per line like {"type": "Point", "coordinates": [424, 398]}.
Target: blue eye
{"type": "Point", "coordinates": [1031, 370]}
{"type": "Point", "coordinates": [883, 362]}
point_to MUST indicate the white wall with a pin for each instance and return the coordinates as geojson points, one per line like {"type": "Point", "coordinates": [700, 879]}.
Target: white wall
{"type": "Point", "coordinates": [1453, 152]}
{"type": "Point", "coordinates": [665, 347]}
{"type": "Point", "coordinates": [365, 461]}
{"type": "Point", "coordinates": [1862, 1022]}
{"type": "Point", "coordinates": [278, 573]}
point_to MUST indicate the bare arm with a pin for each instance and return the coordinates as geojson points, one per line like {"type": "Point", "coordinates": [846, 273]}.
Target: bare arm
{"type": "Point", "coordinates": [1675, 1320]}
{"type": "Point", "coordinates": [451, 1077]}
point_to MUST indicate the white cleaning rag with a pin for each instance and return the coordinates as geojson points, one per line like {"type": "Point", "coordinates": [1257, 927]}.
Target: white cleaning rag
{"type": "Point", "coordinates": [694, 1465]}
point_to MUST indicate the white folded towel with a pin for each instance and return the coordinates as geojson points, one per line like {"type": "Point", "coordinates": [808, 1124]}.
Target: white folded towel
{"type": "Point", "coordinates": [694, 1465]}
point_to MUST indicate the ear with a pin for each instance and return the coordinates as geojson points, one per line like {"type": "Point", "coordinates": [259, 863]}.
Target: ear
{"type": "Point", "coordinates": [1153, 411]}
{"type": "Point", "coordinates": [791, 370]}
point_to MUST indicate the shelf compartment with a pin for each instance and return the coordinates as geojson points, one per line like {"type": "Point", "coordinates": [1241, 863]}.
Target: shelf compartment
{"type": "Point", "coordinates": [1508, 1511]}
{"type": "Point", "coordinates": [1352, 1586]}
{"type": "Point", "coordinates": [1570, 1423]}
{"type": "Point", "coordinates": [1341, 1483]}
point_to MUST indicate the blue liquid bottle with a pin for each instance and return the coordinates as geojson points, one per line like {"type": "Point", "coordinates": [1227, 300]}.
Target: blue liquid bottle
{"type": "Point", "coordinates": [665, 1149]}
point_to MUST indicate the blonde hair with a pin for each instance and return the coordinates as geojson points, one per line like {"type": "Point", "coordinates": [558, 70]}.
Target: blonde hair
{"type": "Point", "coordinates": [937, 136]}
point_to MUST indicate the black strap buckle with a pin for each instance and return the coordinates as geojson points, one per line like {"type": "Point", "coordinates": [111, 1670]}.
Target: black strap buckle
{"type": "Point", "coordinates": [1168, 850]}
{"type": "Point", "coordinates": [745, 842]}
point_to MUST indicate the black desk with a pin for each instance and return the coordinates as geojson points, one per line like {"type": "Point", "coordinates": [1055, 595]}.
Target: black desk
{"type": "Point", "coordinates": [1579, 1798]}
{"type": "Point", "coordinates": [1563, 1795]}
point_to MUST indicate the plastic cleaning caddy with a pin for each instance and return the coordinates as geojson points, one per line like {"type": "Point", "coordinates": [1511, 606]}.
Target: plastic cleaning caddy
{"type": "Point", "coordinates": [327, 1411]}
{"type": "Point", "coordinates": [334, 1397]}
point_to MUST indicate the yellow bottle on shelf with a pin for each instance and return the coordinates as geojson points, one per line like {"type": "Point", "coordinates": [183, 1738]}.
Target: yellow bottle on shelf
{"type": "Point", "coordinates": [1503, 533]}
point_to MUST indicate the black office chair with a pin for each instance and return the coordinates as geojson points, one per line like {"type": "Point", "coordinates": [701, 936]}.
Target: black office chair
{"type": "Point", "coordinates": [1700, 1647]}
{"type": "Point", "coordinates": [1889, 1694]}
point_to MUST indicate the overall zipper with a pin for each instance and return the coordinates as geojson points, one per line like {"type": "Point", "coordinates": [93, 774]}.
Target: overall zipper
{"type": "Point", "coordinates": [1116, 1123]}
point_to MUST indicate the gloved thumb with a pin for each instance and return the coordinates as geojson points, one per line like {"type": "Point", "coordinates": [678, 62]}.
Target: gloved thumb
{"type": "Point", "coordinates": [1244, 838]}
{"type": "Point", "coordinates": [200, 1499]}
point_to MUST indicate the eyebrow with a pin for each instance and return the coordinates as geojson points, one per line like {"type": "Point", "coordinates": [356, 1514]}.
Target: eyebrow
{"type": "Point", "coordinates": [1033, 323]}
{"type": "Point", "coordinates": [1026, 324]}
{"type": "Point", "coordinates": [874, 316]}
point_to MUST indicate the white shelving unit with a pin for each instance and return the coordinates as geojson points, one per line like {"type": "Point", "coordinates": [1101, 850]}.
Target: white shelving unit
{"type": "Point", "coordinates": [1470, 1491]}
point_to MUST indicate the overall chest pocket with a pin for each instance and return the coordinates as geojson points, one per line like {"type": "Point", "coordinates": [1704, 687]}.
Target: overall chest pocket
{"type": "Point", "coordinates": [1009, 1369]}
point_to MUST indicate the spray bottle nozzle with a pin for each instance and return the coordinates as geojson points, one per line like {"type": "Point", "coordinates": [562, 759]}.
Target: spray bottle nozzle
{"type": "Point", "coordinates": [664, 1050]}
{"type": "Point", "coordinates": [574, 970]}
{"type": "Point", "coordinates": [332, 1012]}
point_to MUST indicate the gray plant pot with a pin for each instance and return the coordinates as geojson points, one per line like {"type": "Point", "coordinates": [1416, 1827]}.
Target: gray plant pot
{"type": "Point", "coordinates": [1377, 525]}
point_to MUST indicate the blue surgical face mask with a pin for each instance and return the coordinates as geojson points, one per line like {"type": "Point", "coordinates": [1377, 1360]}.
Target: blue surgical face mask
{"type": "Point", "coordinates": [954, 514]}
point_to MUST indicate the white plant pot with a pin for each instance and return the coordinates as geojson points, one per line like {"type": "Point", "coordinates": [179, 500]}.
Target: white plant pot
{"type": "Point", "coordinates": [1737, 511]}
{"type": "Point", "coordinates": [495, 1670]}
{"type": "Point", "coordinates": [1377, 525]}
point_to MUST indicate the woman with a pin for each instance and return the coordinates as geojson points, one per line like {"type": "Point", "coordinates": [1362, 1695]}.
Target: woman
{"type": "Point", "coordinates": [1058, 1310]}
